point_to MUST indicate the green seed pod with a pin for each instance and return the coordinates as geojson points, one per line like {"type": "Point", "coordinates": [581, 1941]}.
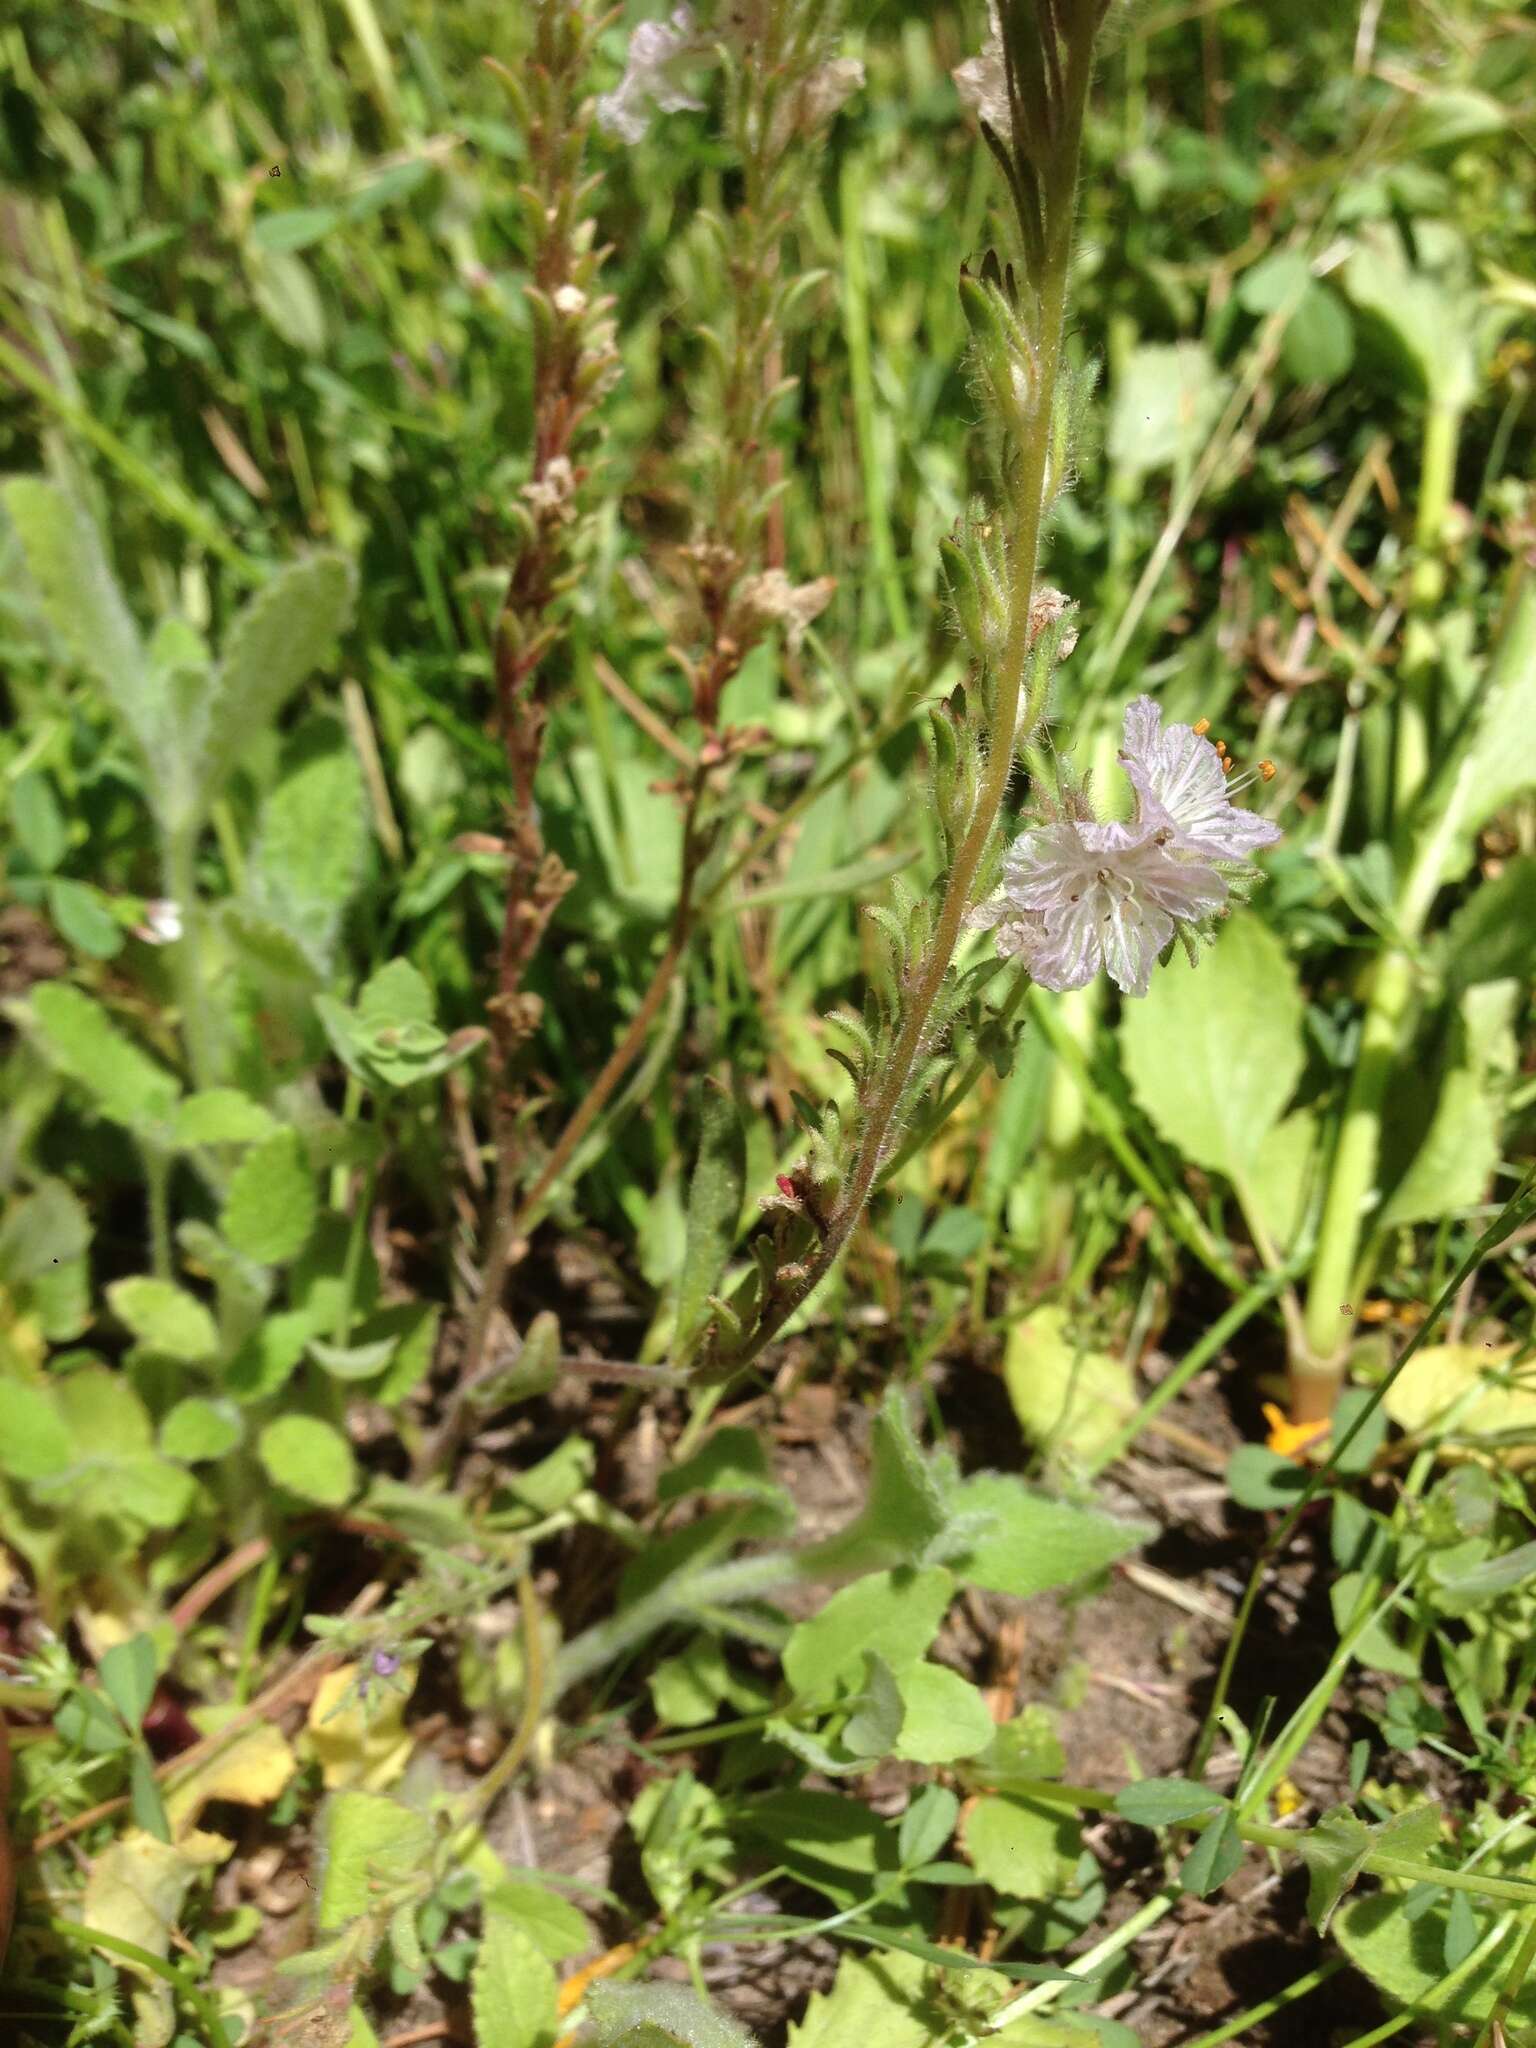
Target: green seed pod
{"type": "Point", "coordinates": [964, 596]}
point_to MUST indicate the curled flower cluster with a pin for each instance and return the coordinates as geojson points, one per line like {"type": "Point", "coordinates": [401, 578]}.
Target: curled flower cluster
{"type": "Point", "coordinates": [660, 50]}
{"type": "Point", "coordinates": [1077, 895]}
{"type": "Point", "coordinates": [657, 51]}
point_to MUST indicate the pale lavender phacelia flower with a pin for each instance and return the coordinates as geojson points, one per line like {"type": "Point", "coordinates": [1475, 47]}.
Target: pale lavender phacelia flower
{"type": "Point", "coordinates": [982, 80]}
{"type": "Point", "coordinates": [657, 50]}
{"type": "Point", "coordinates": [1077, 896]}
{"type": "Point", "coordinates": [1178, 774]}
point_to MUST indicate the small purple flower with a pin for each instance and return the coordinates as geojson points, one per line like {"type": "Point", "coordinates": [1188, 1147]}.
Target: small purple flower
{"type": "Point", "coordinates": [385, 1663]}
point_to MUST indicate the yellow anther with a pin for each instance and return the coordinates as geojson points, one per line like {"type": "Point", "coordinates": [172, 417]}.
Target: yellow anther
{"type": "Point", "coordinates": [1267, 770]}
{"type": "Point", "coordinates": [1201, 727]}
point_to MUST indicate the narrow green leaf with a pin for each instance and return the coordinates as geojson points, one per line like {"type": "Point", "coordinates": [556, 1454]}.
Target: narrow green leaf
{"type": "Point", "coordinates": [144, 1801]}
{"type": "Point", "coordinates": [1162, 1802]}
{"type": "Point", "coordinates": [127, 1674]}
{"type": "Point", "coordinates": [81, 599]}
{"type": "Point", "coordinates": [77, 1036]}
{"type": "Point", "coordinates": [1217, 1853]}
{"type": "Point", "coordinates": [714, 1211]}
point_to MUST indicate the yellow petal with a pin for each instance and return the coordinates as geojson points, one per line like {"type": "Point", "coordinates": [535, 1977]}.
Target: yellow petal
{"type": "Point", "coordinates": [1290, 1439]}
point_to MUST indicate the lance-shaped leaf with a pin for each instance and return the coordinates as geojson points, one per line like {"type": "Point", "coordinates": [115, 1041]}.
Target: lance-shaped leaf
{"type": "Point", "coordinates": [714, 1210]}
{"type": "Point", "coordinates": [283, 633]}
{"type": "Point", "coordinates": [82, 602]}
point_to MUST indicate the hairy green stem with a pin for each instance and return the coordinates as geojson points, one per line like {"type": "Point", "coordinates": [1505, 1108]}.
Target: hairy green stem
{"type": "Point", "coordinates": [187, 965]}
{"type": "Point", "coordinates": [357, 1237]}
{"type": "Point", "coordinates": [724, 1585]}
{"type": "Point", "coordinates": [912, 1041]}
{"type": "Point", "coordinates": [157, 1175]}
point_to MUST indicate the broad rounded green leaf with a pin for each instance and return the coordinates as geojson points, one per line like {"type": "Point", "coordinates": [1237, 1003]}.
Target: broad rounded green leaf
{"type": "Point", "coordinates": [943, 1716]}
{"type": "Point", "coordinates": [81, 916]}
{"type": "Point", "coordinates": [512, 1986]}
{"type": "Point", "coordinates": [220, 1116]}
{"type": "Point", "coordinates": [1282, 1174]}
{"type": "Point", "coordinates": [1319, 342]}
{"type": "Point", "coordinates": [1066, 1397]}
{"type": "Point", "coordinates": [396, 994]}
{"type": "Point", "coordinates": [1165, 402]}
{"type": "Point", "coordinates": [1033, 1544]}
{"type": "Point", "coordinates": [552, 1923]}
{"type": "Point", "coordinates": [1260, 1478]}
{"type": "Point", "coordinates": [1025, 1849]}
{"type": "Point", "coordinates": [35, 1442]}
{"type": "Point", "coordinates": [311, 848]}
{"type": "Point", "coordinates": [198, 1429]}
{"type": "Point", "coordinates": [896, 2000]}
{"type": "Point", "coordinates": [1405, 1958]}
{"type": "Point", "coordinates": [310, 1458]}
{"type": "Point", "coordinates": [1435, 1379]}
{"type": "Point", "coordinates": [45, 1229]}
{"type": "Point", "coordinates": [165, 1317]}
{"type": "Point", "coordinates": [272, 1201]}
{"type": "Point", "coordinates": [369, 1842]}
{"type": "Point", "coordinates": [1213, 1052]}
{"type": "Point", "coordinates": [894, 1614]}
{"type": "Point", "coordinates": [658, 2016]}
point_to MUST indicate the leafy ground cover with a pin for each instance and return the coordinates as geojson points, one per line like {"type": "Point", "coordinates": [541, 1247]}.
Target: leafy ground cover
{"type": "Point", "coordinates": [631, 1411]}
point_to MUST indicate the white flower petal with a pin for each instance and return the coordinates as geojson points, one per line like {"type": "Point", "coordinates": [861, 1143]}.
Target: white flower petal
{"type": "Point", "coordinates": [1178, 777]}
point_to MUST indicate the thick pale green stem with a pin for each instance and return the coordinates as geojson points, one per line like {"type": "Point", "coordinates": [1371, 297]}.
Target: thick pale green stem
{"type": "Point", "coordinates": [157, 1174]}
{"type": "Point", "coordinates": [1315, 1377]}
{"type": "Point", "coordinates": [1317, 1370]}
{"type": "Point", "coordinates": [1437, 480]}
{"type": "Point", "coordinates": [186, 959]}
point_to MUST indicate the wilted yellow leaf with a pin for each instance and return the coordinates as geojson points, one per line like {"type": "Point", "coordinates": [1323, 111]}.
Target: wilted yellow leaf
{"type": "Point", "coordinates": [358, 1750]}
{"type": "Point", "coordinates": [1434, 1381]}
{"type": "Point", "coordinates": [135, 1890]}
{"type": "Point", "coordinates": [1066, 1397]}
{"type": "Point", "coordinates": [252, 1770]}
